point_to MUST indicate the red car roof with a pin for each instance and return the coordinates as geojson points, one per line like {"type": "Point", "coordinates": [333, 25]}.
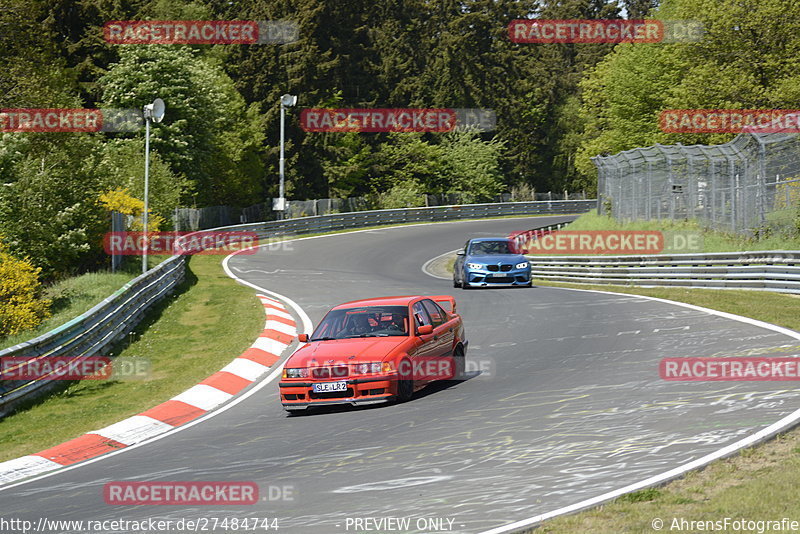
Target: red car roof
{"type": "Point", "coordinates": [379, 301]}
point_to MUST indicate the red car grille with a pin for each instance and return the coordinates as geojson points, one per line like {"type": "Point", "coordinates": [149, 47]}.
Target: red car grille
{"type": "Point", "coordinates": [336, 371]}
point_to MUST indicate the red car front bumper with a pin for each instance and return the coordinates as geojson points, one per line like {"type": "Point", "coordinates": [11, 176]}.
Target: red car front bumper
{"type": "Point", "coordinates": [298, 394]}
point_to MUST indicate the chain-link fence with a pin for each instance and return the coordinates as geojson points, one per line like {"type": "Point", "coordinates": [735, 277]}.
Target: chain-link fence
{"type": "Point", "coordinates": [740, 186]}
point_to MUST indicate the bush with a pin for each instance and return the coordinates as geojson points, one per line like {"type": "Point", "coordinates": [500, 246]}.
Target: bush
{"type": "Point", "coordinates": [21, 308]}
{"type": "Point", "coordinates": [405, 194]}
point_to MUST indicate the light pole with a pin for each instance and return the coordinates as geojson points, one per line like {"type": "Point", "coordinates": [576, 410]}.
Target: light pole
{"type": "Point", "coordinates": [287, 101]}
{"type": "Point", "coordinates": [152, 112]}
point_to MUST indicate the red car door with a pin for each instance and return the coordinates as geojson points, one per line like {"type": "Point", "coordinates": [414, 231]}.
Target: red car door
{"type": "Point", "coordinates": [444, 330]}
{"type": "Point", "coordinates": [424, 356]}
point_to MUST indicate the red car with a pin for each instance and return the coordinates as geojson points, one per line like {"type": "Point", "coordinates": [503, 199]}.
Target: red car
{"type": "Point", "coordinates": [375, 350]}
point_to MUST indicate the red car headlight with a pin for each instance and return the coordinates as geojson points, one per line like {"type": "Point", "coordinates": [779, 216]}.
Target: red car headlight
{"type": "Point", "coordinates": [299, 372]}
{"type": "Point", "coordinates": [371, 368]}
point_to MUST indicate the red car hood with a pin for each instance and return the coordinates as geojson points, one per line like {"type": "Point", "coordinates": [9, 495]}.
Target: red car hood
{"type": "Point", "coordinates": [370, 349]}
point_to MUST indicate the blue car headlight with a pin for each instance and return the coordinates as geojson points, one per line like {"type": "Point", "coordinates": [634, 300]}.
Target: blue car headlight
{"type": "Point", "coordinates": [522, 265]}
{"type": "Point", "coordinates": [475, 266]}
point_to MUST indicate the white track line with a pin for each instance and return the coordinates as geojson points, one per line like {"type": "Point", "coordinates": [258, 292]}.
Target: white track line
{"type": "Point", "coordinates": [762, 435]}
{"type": "Point", "coordinates": [31, 464]}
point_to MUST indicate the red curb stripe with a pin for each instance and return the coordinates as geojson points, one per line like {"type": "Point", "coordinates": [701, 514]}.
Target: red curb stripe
{"type": "Point", "coordinates": [268, 307]}
{"type": "Point", "coordinates": [277, 336]}
{"type": "Point", "coordinates": [174, 412]}
{"type": "Point", "coordinates": [260, 356]}
{"type": "Point", "coordinates": [227, 382]}
{"type": "Point", "coordinates": [284, 320]}
{"type": "Point", "coordinates": [81, 448]}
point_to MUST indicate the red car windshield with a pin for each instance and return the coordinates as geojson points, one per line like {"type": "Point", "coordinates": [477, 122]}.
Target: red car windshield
{"type": "Point", "coordinates": [367, 321]}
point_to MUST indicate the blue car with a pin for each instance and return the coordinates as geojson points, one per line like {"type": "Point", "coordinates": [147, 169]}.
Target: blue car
{"type": "Point", "coordinates": [489, 262]}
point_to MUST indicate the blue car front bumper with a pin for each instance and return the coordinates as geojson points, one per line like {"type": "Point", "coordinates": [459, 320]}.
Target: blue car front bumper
{"type": "Point", "coordinates": [486, 278]}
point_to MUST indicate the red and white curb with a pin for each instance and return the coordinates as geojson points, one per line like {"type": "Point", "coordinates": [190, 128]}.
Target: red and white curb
{"type": "Point", "coordinates": [215, 390]}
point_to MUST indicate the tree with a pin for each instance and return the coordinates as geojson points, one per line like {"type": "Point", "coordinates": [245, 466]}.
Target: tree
{"type": "Point", "coordinates": [472, 166]}
{"type": "Point", "coordinates": [209, 136]}
{"type": "Point", "coordinates": [49, 210]}
{"type": "Point", "coordinates": [745, 60]}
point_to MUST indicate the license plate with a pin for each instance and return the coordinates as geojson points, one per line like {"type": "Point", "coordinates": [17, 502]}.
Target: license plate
{"type": "Point", "coordinates": [327, 387]}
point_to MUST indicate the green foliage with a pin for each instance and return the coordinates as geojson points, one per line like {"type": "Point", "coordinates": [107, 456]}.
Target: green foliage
{"type": "Point", "coordinates": [21, 307]}
{"type": "Point", "coordinates": [407, 193]}
{"type": "Point", "coordinates": [122, 166]}
{"type": "Point", "coordinates": [472, 166]}
{"type": "Point", "coordinates": [209, 136]}
{"type": "Point", "coordinates": [48, 208]}
{"type": "Point", "coordinates": [408, 158]}
{"type": "Point", "coordinates": [748, 59]}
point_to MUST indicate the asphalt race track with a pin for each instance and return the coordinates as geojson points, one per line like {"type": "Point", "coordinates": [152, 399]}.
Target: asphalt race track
{"type": "Point", "coordinates": [563, 403]}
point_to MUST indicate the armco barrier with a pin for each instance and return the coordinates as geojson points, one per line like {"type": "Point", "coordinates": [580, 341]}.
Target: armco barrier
{"type": "Point", "coordinates": [94, 332]}
{"type": "Point", "coordinates": [771, 270]}
{"type": "Point", "coordinates": [359, 219]}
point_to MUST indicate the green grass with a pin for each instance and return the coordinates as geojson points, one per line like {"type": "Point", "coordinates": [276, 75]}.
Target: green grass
{"type": "Point", "coordinates": [713, 241]}
{"type": "Point", "coordinates": [76, 295]}
{"type": "Point", "coordinates": [207, 323]}
{"type": "Point", "coordinates": [758, 483]}
{"type": "Point", "coordinates": [776, 308]}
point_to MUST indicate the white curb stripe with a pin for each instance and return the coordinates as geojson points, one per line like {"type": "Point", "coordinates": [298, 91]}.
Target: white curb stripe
{"type": "Point", "coordinates": [134, 429]}
{"type": "Point", "coordinates": [203, 397]}
{"type": "Point", "coordinates": [247, 369]}
{"type": "Point", "coordinates": [281, 327]}
{"type": "Point", "coordinates": [279, 313]}
{"type": "Point", "coordinates": [271, 300]}
{"type": "Point", "coordinates": [25, 466]}
{"type": "Point", "coordinates": [270, 345]}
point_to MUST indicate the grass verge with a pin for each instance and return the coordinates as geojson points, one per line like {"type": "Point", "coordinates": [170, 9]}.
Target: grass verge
{"type": "Point", "coordinates": [76, 295]}
{"type": "Point", "coordinates": [187, 337]}
{"type": "Point", "coordinates": [713, 241]}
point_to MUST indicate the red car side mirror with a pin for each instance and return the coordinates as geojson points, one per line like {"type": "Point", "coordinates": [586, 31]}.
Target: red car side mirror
{"type": "Point", "coordinates": [425, 329]}
{"type": "Point", "coordinates": [302, 338]}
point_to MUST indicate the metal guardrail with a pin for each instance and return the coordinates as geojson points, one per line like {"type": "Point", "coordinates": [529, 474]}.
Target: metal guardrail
{"type": "Point", "coordinates": [771, 270]}
{"type": "Point", "coordinates": [357, 219]}
{"type": "Point", "coordinates": [99, 328]}
{"type": "Point", "coordinates": [93, 332]}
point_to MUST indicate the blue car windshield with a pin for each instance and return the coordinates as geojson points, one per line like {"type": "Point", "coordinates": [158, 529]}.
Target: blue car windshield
{"type": "Point", "coordinates": [366, 321]}
{"type": "Point", "coordinates": [488, 248]}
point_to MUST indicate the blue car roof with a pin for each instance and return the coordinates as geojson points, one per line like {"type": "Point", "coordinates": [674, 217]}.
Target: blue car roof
{"type": "Point", "coordinates": [479, 239]}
